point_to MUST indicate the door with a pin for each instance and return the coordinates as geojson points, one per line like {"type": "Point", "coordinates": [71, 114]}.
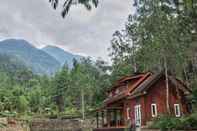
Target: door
{"type": "Point", "coordinates": [138, 115]}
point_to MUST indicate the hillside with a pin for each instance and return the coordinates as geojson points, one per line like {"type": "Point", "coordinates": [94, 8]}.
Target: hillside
{"type": "Point", "coordinates": [39, 61]}
{"type": "Point", "coordinates": [62, 56]}
{"type": "Point", "coordinates": [11, 64]}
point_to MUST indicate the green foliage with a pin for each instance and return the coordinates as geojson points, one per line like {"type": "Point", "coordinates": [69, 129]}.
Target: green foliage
{"type": "Point", "coordinates": [160, 35]}
{"type": "Point", "coordinates": [27, 94]}
{"type": "Point", "coordinates": [189, 122]}
{"type": "Point", "coordinates": [166, 123]}
{"type": "Point", "coordinates": [169, 123]}
{"type": "Point", "coordinates": [22, 104]}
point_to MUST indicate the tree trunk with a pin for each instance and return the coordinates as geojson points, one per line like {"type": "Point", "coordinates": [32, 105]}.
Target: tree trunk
{"type": "Point", "coordinates": [167, 86]}
{"type": "Point", "coordinates": [60, 103]}
{"type": "Point", "coordinates": [134, 60]}
{"type": "Point", "coordinates": [82, 104]}
{"type": "Point", "coordinates": [179, 98]}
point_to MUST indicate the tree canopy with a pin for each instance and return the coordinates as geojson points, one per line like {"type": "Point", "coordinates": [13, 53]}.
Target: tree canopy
{"type": "Point", "coordinates": [160, 34]}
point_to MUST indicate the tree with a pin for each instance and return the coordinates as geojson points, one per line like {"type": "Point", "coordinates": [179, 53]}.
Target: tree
{"type": "Point", "coordinates": [60, 85]}
{"type": "Point", "coordinates": [154, 38]}
{"type": "Point", "coordinates": [22, 104]}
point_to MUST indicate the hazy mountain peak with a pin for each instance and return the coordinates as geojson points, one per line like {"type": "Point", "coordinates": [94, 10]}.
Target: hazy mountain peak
{"type": "Point", "coordinates": [38, 60]}
{"type": "Point", "coordinates": [64, 57]}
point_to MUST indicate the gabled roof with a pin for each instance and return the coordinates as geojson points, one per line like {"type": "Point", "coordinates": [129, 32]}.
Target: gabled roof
{"type": "Point", "coordinates": [144, 82]}
{"type": "Point", "coordinates": [147, 83]}
{"type": "Point", "coordinates": [122, 81]}
{"type": "Point", "coordinates": [127, 91]}
{"type": "Point", "coordinates": [154, 78]}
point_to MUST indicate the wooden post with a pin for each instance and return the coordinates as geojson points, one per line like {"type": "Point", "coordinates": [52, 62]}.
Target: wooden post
{"type": "Point", "coordinates": [108, 118]}
{"type": "Point", "coordinates": [102, 115]}
{"type": "Point", "coordinates": [83, 104]}
{"type": "Point", "coordinates": [115, 115]}
{"type": "Point", "coordinates": [97, 119]}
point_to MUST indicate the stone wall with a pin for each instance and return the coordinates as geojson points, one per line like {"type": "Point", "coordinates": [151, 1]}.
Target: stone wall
{"type": "Point", "coordinates": [61, 125]}
{"type": "Point", "coordinates": [13, 125]}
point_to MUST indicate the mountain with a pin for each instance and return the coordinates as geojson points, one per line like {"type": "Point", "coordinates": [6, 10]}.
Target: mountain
{"type": "Point", "coordinates": [38, 60]}
{"type": "Point", "coordinates": [62, 56]}
{"type": "Point", "coordinates": [10, 64]}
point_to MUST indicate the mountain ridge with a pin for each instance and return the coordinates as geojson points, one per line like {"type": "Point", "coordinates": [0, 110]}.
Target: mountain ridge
{"type": "Point", "coordinates": [46, 60]}
{"type": "Point", "coordinates": [64, 57]}
{"type": "Point", "coordinates": [39, 61]}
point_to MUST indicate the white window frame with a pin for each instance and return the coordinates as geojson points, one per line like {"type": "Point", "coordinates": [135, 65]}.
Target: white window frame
{"type": "Point", "coordinates": [177, 106]}
{"type": "Point", "coordinates": [155, 107]}
{"type": "Point", "coordinates": [138, 118]}
{"type": "Point", "coordinates": [117, 91]}
{"type": "Point", "coordinates": [128, 113]}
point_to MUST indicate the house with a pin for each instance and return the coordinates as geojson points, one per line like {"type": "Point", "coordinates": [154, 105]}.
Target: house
{"type": "Point", "coordinates": [140, 98]}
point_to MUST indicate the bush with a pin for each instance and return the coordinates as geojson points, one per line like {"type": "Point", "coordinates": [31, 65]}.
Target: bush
{"type": "Point", "coordinates": [166, 123]}
{"type": "Point", "coordinates": [189, 122]}
{"type": "Point", "coordinates": [169, 123]}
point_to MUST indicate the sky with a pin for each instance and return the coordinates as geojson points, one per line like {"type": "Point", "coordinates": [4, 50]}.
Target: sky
{"type": "Point", "coordinates": [82, 32]}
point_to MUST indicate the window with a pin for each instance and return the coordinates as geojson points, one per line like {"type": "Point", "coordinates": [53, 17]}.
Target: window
{"type": "Point", "coordinates": [154, 110]}
{"type": "Point", "coordinates": [128, 112]}
{"type": "Point", "coordinates": [117, 91]}
{"type": "Point", "coordinates": [177, 110]}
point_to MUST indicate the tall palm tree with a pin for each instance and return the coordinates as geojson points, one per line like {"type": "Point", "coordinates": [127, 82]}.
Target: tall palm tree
{"type": "Point", "coordinates": [68, 3]}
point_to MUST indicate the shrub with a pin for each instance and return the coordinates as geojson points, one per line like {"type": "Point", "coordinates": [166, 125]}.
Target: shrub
{"type": "Point", "coordinates": [169, 123]}
{"type": "Point", "coordinates": [189, 122]}
{"type": "Point", "coordinates": [166, 123]}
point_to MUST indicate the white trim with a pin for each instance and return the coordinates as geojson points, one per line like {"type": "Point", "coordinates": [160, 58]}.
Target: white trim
{"type": "Point", "coordinates": [154, 114]}
{"type": "Point", "coordinates": [117, 91]}
{"type": "Point", "coordinates": [128, 113]}
{"type": "Point", "coordinates": [137, 115]}
{"type": "Point", "coordinates": [177, 110]}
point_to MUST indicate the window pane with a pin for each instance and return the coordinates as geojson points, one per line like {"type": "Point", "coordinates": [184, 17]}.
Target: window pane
{"type": "Point", "coordinates": [154, 110]}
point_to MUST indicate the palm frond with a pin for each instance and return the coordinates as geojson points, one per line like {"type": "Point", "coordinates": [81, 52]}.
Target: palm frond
{"type": "Point", "coordinates": [68, 3]}
{"type": "Point", "coordinates": [66, 7]}
{"type": "Point", "coordinates": [54, 3]}
{"type": "Point", "coordinates": [87, 5]}
{"type": "Point", "coordinates": [95, 2]}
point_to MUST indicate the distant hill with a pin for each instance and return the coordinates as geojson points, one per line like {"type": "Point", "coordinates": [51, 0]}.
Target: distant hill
{"type": "Point", "coordinates": [38, 60]}
{"type": "Point", "coordinates": [62, 56]}
{"type": "Point", "coordinates": [11, 64]}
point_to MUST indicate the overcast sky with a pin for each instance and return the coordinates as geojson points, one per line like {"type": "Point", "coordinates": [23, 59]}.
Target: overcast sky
{"type": "Point", "coordinates": [81, 32]}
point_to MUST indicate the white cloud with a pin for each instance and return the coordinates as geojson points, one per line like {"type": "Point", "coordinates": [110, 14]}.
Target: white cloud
{"type": "Point", "coordinates": [81, 32]}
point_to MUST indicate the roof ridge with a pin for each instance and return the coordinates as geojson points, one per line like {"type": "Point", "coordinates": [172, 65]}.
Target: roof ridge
{"type": "Point", "coordinates": [140, 81]}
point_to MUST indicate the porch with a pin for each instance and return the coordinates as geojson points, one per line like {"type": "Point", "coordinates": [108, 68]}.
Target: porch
{"type": "Point", "coordinates": [110, 117]}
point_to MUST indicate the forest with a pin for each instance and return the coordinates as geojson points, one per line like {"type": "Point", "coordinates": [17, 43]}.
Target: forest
{"type": "Point", "coordinates": [69, 92]}
{"type": "Point", "coordinates": [160, 35]}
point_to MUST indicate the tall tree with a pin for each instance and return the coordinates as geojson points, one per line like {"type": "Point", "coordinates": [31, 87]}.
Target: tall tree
{"type": "Point", "coordinates": [61, 84]}
{"type": "Point", "coordinates": [158, 39]}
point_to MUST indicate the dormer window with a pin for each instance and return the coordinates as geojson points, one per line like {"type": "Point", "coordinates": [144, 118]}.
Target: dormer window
{"type": "Point", "coordinates": [117, 91]}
